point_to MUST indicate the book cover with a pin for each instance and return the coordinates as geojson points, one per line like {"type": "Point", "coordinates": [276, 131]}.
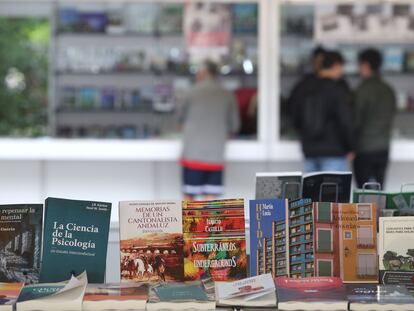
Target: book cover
{"type": "Point", "coordinates": [115, 296]}
{"type": "Point", "coordinates": [345, 239]}
{"type": "Point", "coordinates": [151, 241]}
{"type": "Point", "coordinates": [181, 296]}
{"type": "Point", "coordinates": [21, 242]}
{"type": "Point", "coordinates": [327, 186]}
{"type": "Point", "coordinates": [65, 296]}
{"type": "Point", "coordinates": [268, 236]}
{"type": "Point", "coordinates": [378, 297]}
{"type": "Point", "coordinates": [299, 251]}
{"type": "Point", "coordinates": [218, 250]}
{"type": "Point", "coordinates": [8, 295]}
{"type": "Point", "coordinates": [282, 185]}
{"type": "Point", "coordinates": [116, 291]}
{"type": "Point", "coordinates": [254, 287]}
{"type": "Point", "coordinates": [396, 251]}
{"type": "Point", "coordinates": [245, 18]}
{"type": "Point", "coordinates": [170, 20]}
{"type": "Point", "coordinates": [315, 293]}
{"type": "Point", "coordinates": [75, 239]}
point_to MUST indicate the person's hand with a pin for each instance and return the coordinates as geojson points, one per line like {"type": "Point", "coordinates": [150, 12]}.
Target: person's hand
{"type": "Point", "coordinates": [350, 156]}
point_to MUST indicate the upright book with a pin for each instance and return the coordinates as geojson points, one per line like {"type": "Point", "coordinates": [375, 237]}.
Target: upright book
{"type": "Point", "coordinates": [214, 240]}
{"type": "Point", "coordinates": [62, 296]}
{"type": "Point", "coordinates": [115, 296]}
{"type": "Point", "coordinates": [396, 251]}
{"type": "Point", "coordinates": [75, 239]}
{"type": "Point", "coordinates": [370, 297]}
{"type": "Point", "coordinates": [316, 293]}
{"type": "Point", "coordinates": [268, 237]}
{"type": "Point", "coordinates": [20, 242]}
{"type": "Point", "coordinates": [345, 239]}
{"type": "Point", "coordinates": [151, 241]}
{"type": "Point", "coordinates": [9, 292]}
{"type": "Point", "coordinates": [278, 185]}
{"type": "Point", "coordinates": [327, 186]}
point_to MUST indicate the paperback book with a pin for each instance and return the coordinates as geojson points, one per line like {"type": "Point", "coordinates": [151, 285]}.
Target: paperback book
{"type": "Point", "coordinates": [8, 295]}
{"type": "Point", "coordinates": [327, 187]}
{"type": "Point", "coordinates": [63, 296]}
{"type": "Point", "coordinates": [151, 241]}
{"type": "Point", "coordinates": [214, 240]}
{"type": "Point", "coordinates": [20, 242]}
{"type": "Point", "coordinates": [268, 237]}
{"type": "Point", "coordinates": [396, 252]}
{"type": "Point", "coordinates": [257, 291]}
{"type": "Point", "coordinates": [367, 297]}
{"type": "Point", "coordinates": [196, 295]}
{"type": "Point", "coordinates": [345, 239]}
{"type": "Point", "coordinates": [315, 293]}
{"type": "Point", "coordinates": [115, 296]}
{"type": "Point", "coordinates": [75, 239]}
{"type": "Point", "coordinates": [278, 185]}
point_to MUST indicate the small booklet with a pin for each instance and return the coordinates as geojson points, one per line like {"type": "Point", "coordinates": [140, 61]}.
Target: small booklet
{"type": "Point", "coordinates": [63, 296]}
{"type": "Point", "coordinates": [115, 296]}
{"type": "Point", "coordinates": [257, 291]}
{"type": "Point", "coordinates": [8, 295]}
{"type": "Point", "coordinates": [197, 295]}
{"type": "Point", "coordinates": [367, 297]}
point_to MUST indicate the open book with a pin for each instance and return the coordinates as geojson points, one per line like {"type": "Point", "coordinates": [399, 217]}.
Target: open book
{"type": "Point", "coordinates": [64, 296]}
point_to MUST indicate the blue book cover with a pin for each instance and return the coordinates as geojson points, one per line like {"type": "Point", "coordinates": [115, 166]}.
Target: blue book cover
{"type": "Point", "coordinates": [265, 216]}
{"type": "Point", "coordinates": [75, 239]}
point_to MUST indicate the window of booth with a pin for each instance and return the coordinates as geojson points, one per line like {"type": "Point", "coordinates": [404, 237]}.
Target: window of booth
{"type": "Point", "coordinates": [24, 45]}
{"type": "Point", "coordinates": [121, 69]}
{"type": "Point", "coordinates": [349, 27]}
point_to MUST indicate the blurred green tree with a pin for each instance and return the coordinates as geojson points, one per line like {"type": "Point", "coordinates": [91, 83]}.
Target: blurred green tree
{"type": "Point", "coordinates": [24, 46]}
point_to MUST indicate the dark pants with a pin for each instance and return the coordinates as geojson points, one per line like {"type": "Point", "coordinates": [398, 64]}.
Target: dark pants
{"type": "Point", "coordinates": [370, 167]}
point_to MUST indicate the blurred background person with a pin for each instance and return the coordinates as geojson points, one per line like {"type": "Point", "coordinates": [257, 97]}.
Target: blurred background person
{"type": "Point", "coordinates": [209, 116]}
{"type": "Point", "coordinates": [322, 115]}
{"type": "Point", "coordinates": [374, 111]}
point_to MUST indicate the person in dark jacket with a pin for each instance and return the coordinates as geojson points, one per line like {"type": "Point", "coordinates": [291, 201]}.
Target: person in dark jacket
{"type": "Point", "coordinates": [322, 115]}
{"type": "Point", "coordinates": [374, 111]}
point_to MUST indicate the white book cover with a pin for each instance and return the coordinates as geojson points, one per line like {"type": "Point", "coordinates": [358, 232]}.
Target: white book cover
{"type": "Point", "coordinates": [249, 289]}
{"type": "Point", "coordinates": [396, 250]}
{"type": "Point", "coordinates": [151, 241]}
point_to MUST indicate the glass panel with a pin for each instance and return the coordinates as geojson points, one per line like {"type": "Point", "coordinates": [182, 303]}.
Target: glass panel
{"type": "Point", "coordinates": [124, 70]}
{"type": "Point", "coordinates": [23, 76]}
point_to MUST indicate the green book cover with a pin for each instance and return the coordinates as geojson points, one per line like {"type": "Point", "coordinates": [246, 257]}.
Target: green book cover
{"type": "Point", "coordinates": [75, 239]}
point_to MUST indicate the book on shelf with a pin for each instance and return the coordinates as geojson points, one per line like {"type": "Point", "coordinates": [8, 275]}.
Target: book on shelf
{"type": "Point", "coordinates": [396, 251]}
{"type": "Point", "coordinates": [195, 295]}
{"type": "Point", "coordinates": [21, 242]}
{"type": "Point", "coordinates": [314, 293]}
{"type": "Point", "coordinates": [62, 296]}
{"type": "Point", "coordinates": [370, 297]}
{"type": "Point", "coordinates": [268, 236]}
{"type": "Point", "coordinates": [9, 292]}
{"type": "Point", "coordinates": [75, 239]}
{"type": "Point", "coordinates": [245, 18]}
{"type": "Point", "coordinates": [257, 291]}
{"type": "Point", "coordinates": [214, 240]}
{"type": "Point", "coordinates": [329, 186]}
{"type": "Point", "coordinates": [345, 240]}
{"type": "Point", "coordinates": [115, 296]}
{"type": "Point", "coordinates": [151, 241]}
{"type": "Point", "coordinates": [278, 185]}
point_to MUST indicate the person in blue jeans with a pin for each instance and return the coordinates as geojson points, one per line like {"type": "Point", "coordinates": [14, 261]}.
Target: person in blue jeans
{"type": "Point", "coordinates": [322, 115]}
